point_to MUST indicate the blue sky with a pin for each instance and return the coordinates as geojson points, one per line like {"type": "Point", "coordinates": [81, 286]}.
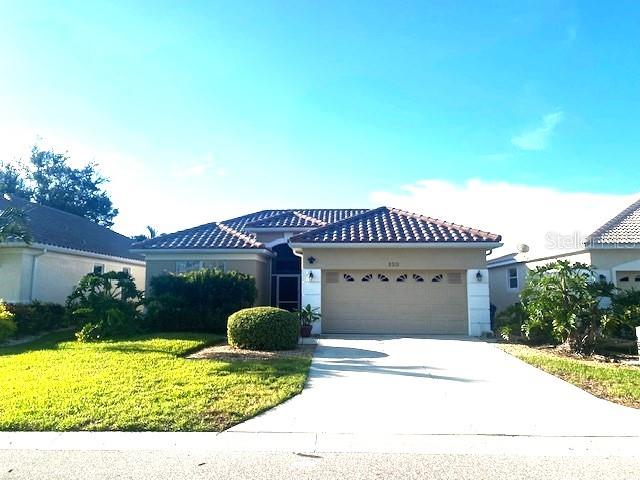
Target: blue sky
{"type": "Point", "coordinates": [201, 110]}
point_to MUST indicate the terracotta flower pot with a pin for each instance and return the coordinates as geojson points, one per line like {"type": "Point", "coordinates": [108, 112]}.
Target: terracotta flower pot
{"type": "Point", "coordinates": [305, 331]}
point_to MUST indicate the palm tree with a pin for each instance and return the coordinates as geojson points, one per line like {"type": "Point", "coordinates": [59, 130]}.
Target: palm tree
{"type": "Point", "coordinates": [13, 226]}
{"type": "Point", "coordinates": [151, 233]}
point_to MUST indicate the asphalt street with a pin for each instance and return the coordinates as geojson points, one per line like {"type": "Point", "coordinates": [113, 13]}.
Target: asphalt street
{"type": "Point", "coordinates": [82, 465]}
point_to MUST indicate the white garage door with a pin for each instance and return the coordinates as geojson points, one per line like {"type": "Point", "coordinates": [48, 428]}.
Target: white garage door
{"type": "Point", "coordinates": [394, 302]}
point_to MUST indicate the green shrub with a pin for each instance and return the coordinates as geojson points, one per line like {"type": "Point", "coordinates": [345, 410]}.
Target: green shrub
{"type": "Point", "coordinates": [263, 328]}
{"type": "Point", "coordinates": [34, 318]}
{"type": "Point", "coordinates": [508, 322]}
{"type": "Point", "coordinates": [106, 306]}
{"type": "Point", "coordinates": [625, 314]}
{"type": "Point", "coordinates": [198, 301]}
{"type": "Point", "coordinates": [562, 301]}
{"type": "Point", "coordinates": [7, 324]}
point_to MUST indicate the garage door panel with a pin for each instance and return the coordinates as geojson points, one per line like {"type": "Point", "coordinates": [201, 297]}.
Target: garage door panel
{"type": "Point", "coordinates": [425, 302]}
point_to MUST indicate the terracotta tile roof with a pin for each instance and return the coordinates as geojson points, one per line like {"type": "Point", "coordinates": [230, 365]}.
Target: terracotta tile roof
{"type": "Point", "coordinates": [305, 218]}
{"type": "Point", "coordinates": [232, 233]}
{"type": "Point", "coordinates": [624, 228]}
{"type": "Point", "coordinates": [382, 225]}
{"type": "Point", "coordinates": [209, 236]}
{"type": "Point", "coordinates": [50, 226]}
{"type": "Point", "coordinates": [390, 225]}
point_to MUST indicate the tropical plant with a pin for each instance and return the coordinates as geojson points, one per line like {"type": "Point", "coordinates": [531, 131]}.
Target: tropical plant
{"type": "Point", "coordinates": [563, 300]}
{"type": "Point", "coordinates": [308, 315]}
{"type": "Point", "coordinates": [14, 226]}
{"type": "Point", "coordinates": [508, 322]}
{"type": "Point", "coordinates": [106, 305]}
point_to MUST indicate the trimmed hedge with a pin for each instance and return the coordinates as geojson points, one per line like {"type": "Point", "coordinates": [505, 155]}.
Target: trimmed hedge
{"type": "Point", "coordinates": [199, 301]}
{"type": "Point", "coordinates": [34, 318]}
{"type": "Point", "coordinates": [263, 328]}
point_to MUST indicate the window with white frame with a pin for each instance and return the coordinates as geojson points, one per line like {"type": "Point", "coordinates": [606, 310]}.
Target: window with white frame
{"type": "Point", "coordinates": [126, 270]}
{"type": "Point", "coordinates": [98, 268]}
{"type": "Point", "coordinates": [184, 266]}
{"type": "Point", "coordinates": [512, 278]}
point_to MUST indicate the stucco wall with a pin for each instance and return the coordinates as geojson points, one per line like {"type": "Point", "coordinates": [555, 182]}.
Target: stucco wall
{"type": "Point", "coordinates": [57, 274]}
{"type": "Point", "coordinates": [26, 274]}
{"type": "Point", "coordinates": [12, 281]}
{"type": "Point", "coordinates": [250, 264]}
{"type": "Point", "coordinates": [608, 258]}
{"type": "Point", "coordinates": [396, 258]}
{"type": "Point", "coordinates": [500, 293]}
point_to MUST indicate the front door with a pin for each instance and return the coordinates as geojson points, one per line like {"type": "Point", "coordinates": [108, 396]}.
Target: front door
{"type": "Point", "coordinates": [288, 292]}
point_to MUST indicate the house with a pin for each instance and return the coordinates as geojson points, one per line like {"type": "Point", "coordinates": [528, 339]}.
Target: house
{"type": "Point", "coordinates": [65, 247]}
{"type": "Point", "coordinates": [383, 271]}
{"type": "Point", "coordinates": [613, 250]}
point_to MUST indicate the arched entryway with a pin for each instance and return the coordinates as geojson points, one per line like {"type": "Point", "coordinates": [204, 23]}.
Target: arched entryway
{"type": "Point", "coordinates": [285, 278]}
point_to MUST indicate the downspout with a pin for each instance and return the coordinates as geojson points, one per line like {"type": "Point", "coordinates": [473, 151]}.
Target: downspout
{"type": "Point", "coordinates": [34, 264]}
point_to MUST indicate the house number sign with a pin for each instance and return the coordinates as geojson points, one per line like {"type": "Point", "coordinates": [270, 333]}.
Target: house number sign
{"type": "Point", "coordinates": [394, 264]}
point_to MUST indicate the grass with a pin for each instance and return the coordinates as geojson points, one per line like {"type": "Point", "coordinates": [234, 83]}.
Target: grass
{"type": "Point", "coordinates": [614, 382]}
{"type": "Point", "coordinates": [144, 383]}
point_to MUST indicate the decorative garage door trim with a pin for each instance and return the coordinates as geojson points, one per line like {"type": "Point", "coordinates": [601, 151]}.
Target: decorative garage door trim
{"type": "Point", "coordinates": [395, 302]}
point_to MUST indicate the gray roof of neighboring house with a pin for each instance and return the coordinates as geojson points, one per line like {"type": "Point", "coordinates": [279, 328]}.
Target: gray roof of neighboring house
{"type": "Point", "coordinates": [624, 228]}
{"type": "Point", "coordinates": [380, 225]}
{"type": "Point", "coordinates": [391, 225]}
{"type": "Point", "coordinates": [50, 226]}
{"type": "Point", "coordinates": [507, 259]}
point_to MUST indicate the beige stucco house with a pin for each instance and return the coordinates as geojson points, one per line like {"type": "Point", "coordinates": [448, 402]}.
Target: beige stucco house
{"type": "Point", "coordinates": [613, 250]}
{"type": "Point", "coordinates": [368, 271]}
{"type": "Point", "coordinates": [65, 247]}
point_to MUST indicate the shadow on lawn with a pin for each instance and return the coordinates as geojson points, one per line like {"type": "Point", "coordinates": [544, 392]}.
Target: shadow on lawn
{"type": "Point", "coordinates": [47, 342]}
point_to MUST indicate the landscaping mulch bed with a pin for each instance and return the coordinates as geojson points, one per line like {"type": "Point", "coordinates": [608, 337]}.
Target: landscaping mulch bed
{"type": "Point", "coordinates": [225, 352]}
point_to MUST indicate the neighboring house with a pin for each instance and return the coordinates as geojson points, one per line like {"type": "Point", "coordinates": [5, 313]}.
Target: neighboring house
{"type": "Point", "coordinates": [65, 247]}
{"type": "Point", "coordinates": [368, 271]}
{"type": "Point", "coordinates": [613, 250]}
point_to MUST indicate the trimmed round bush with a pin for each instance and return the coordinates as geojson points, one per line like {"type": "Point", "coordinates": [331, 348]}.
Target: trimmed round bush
{"type": "Point", "coordinates": [263, 328]}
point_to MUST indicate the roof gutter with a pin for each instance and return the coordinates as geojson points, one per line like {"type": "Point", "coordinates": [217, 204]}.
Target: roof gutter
{"type": "Point", "coordinates": [483, 245]}
{"type": "Point", "coordinates": [72, 251]}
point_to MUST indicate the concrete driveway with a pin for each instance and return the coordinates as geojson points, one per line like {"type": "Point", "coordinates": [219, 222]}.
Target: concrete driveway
{"type": "Point", "coordinates": [456, 386]}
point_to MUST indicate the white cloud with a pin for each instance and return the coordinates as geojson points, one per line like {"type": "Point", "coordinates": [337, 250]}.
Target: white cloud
{"type": "Point", "coordinates": [144, 193]}
{"type": "Point", "coordinates": [520, 213]}
{"type": "Point", "coordinates": [538, 138]}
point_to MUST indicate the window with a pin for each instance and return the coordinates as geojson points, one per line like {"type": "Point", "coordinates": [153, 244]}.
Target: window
{"type": "Point", "coordinates": [331, 277]}
{"type": "Point", "coordinates": [348, 278]}
{"type": "Point", "coordinates": [637, 279]}
{"type": "Point", "coordinates": [184, 266]}
{"type": "Point", "coordinates": [368, 277]}
{"type": "Point", "coordinates": [624, 279]}
{"type": "Point", "coordinates": [437, 278]}
{"type": "Point", "coordinates": [402, 278]}
{"type": "Point", "coordinates": [98, 269]}
{"type": "Point", "coordinates": [126, 270]}
{"type": "Point", "coordinates": [454, 278]}
{"type": "Point", "coordinates": [383, 278]}
{"type": "Point", "coordinates": [512, 278]}
{"type": "Point", "coordinates": [418, 278]}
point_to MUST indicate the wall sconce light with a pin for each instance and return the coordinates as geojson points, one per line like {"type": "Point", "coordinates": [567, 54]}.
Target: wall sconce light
{"type": "Point", "coordinates": [310, 277]}
{"type": "Point", "coordinates": [311, 260]}
{"type": "Point", "coordinates": [479, 276]}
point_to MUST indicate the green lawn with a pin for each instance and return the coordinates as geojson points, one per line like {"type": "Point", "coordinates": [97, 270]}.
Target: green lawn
{"type": "Point", "coordinates": [140, 384]}
{"type": "Point", "coordinates": [614, 382]}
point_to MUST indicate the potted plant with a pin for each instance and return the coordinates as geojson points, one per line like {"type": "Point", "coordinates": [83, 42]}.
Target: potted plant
{"type": "Point", "coordinates": [307, 316]}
